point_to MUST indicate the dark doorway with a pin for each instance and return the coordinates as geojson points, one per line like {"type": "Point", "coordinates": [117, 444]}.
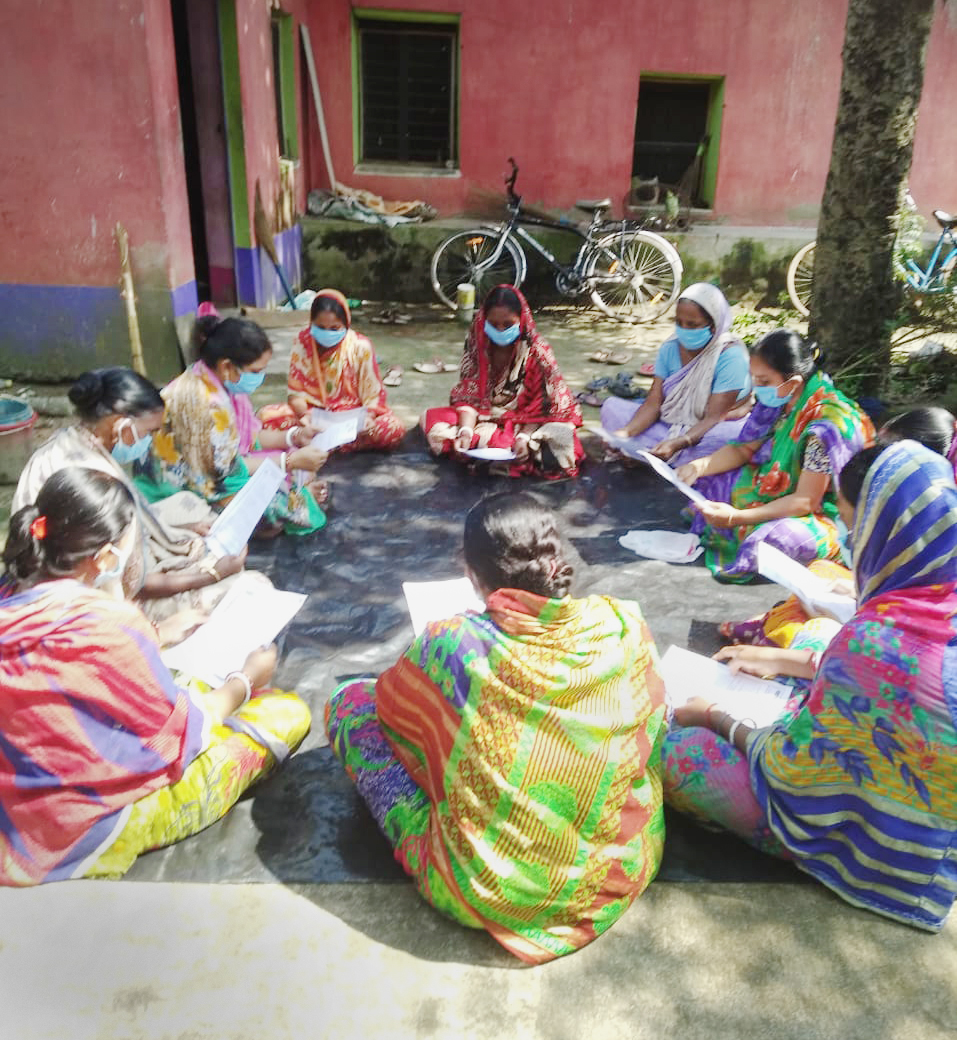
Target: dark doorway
{"type": "Point", "coordinates": [671, 125]}
{"type": "Point", "coordinates": [194, 175]}
{"type": "Point", "coordinates": [202, 114]}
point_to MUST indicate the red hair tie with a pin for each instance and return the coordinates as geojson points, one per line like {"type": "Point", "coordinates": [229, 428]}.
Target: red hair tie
{"type": "Point", "coordinates": [39, 528]}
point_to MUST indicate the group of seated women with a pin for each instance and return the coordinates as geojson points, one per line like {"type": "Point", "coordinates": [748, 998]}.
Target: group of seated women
{"type": "Point", "coordinates": [517, 759]}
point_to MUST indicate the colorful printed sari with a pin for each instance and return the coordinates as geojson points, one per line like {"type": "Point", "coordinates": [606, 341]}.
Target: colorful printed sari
{"type": "Point", "coordinates": [206, 433]}
{"type": "Point", "coordinates": [511, 759]}
{"type": "Point", "coordinates": [859, 783]}
{"type": "Point", "coordinates": [822, 412]}
{"type": "Point", "coordinates": [529, 395]}
{"type": "Point", "coordinates": [342, 377]}
{"type": "Point", "coordinates": [92, 722]}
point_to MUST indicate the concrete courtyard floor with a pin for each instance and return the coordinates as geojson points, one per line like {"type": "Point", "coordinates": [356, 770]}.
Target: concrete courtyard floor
{"type": "Point", "coordinates": [163, 961]}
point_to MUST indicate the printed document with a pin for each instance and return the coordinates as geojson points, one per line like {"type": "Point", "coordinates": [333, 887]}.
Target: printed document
{"type": "Point", "coordinates": [687, 674]}
{"type": "Point", "coordinates": [238, 520]}
{"type": "Point", "coordinates": [439, 600]}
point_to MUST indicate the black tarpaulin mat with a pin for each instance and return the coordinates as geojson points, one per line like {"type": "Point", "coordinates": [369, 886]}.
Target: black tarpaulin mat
{"type": "Point", "coordinates": [399, 518]}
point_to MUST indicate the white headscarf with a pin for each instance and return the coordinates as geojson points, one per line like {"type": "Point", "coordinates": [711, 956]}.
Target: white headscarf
{"type": "Point", "coordinates": [686, 403]}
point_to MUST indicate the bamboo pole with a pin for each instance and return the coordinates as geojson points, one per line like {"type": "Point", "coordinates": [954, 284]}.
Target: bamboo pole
{"type": "Point", "coordinates": [129, 297]}
{"type": "Point", "coordinates": [317, 101]}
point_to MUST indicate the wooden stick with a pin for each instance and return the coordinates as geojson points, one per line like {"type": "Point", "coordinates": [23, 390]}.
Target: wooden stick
{"type": "Point", "coordinates": [129, 297]}
{"type": "Point", "coordinates": [317, 101]}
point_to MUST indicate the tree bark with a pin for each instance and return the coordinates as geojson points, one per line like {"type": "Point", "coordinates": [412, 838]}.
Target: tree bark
{"type": "Point", "coordinates": [854, 295]}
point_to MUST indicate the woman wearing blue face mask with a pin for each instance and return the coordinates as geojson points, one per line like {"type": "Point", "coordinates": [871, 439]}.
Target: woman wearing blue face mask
{"type": "Point", "coordinates": [118, 411]}
{"type": "Point", "coordinates": [510, 395]}
{"type": "Point", "coordinates": [334, 368]}
{"type": "Point", "coordinates": [701, 392]}
{"type": "Point", "coordinates": [211, 441]}
{"type": "Point", "coordinates": [775, 484]}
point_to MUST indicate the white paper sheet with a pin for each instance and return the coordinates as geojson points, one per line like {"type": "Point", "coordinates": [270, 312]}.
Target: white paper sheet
{"type": "Point", "coordinates": [324, 418]}
{"type": "Point", "coordinates": [808, 587]}
{"type": "Point", "coordinates": [625, 446]}
{"type": "Point", "coordinates": [336, 434]}
{"type": "Point", "coordinates": [238, 520]}
{"type": "Point", "coordinates": [250, 615]}
{"type": "Point", "coordinates": [491, 454]}
{"type": "Point", "coordinates": [688, 675]}
{"type": "Point", "coordinates": [439, 600]}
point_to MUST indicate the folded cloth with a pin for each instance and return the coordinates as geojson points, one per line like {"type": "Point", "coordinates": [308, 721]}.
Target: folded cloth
{"type": "Point", "coordinates": [670, 546]}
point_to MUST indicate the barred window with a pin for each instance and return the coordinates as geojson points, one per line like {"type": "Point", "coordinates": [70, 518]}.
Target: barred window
{"type": "Point", "coordinates": [407, 102]}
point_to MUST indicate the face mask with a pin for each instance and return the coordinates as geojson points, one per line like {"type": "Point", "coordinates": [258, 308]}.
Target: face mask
{"type": "Point", "coordinates": [246, 384]}
{"type": "Point", "coordinates": [116, 572]}
{"type": "Point", "coordinates": [126, 453]}
{"type": "Point", "coordinates": [693, 339]}
{"type": "Point", "coordinates": [768, 396]}
{"type": "Point", "coordinates": [327, 338]}
{"type": "Point", "coordinates": [502, 338]}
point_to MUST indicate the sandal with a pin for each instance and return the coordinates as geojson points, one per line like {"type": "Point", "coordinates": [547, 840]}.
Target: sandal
{"type": "Point", "coordinates": [625, 386]}
{"type": "Point", "coordinates": [647, 369]}
{"type": "Point", "coordinates": [601, 356]}
{"type": "Point", "coordinates": [433, 367]}
{"type": "Point", "coordinates": [601, 383]}
{"type": "Point", "coordinates": [620, 357]}
{"type": "Point", "coordinates": [592, 400]}
{"type": "Point", "coordinates": [394, 376]}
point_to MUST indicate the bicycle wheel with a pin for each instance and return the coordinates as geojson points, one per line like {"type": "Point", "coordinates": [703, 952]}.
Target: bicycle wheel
{"type": "Point", "coordinates": [634, 275]}
{"type": "Point", "coordinates": [459, 258]}
{"type": "Point", "coordinates": [800, 276]}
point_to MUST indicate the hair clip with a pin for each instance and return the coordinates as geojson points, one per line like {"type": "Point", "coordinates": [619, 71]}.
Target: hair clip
{"type": "Point", "coordinates": [38, 528]}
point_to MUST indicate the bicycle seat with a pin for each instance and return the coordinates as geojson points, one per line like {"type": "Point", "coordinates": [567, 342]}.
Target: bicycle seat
{"type": "Point", "coordinates": [945, 219]}
{"type": "Point", "coordinates": [590, 205]}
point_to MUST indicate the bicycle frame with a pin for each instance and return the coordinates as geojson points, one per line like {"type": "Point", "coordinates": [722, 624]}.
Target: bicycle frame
{"type": "Point", "coordinates": [923, 280]}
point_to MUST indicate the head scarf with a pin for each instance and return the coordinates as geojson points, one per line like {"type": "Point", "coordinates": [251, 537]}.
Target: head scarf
{"type": "Point", "coordinates": [688, 390]}
{"type": "Point", "coordinates": [905, 523]}
{"type": "Point", "coordinates": [532, 390]}
{"type": "Point", "coordinates": [334, 294]}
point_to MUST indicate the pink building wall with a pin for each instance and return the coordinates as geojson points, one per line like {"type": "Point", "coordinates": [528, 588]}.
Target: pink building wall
{"type": "Point", "coordinates": [556, 85]}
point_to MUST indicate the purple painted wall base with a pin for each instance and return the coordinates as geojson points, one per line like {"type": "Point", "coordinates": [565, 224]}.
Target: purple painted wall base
{"type": "Point", "coordinates": [53, 333]}
{"type": "Point", "coordinates": [256, 278]}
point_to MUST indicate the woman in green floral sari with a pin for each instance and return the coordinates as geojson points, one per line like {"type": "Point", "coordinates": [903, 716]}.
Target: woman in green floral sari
{"type": "Point", "coordinates": [776, 483]}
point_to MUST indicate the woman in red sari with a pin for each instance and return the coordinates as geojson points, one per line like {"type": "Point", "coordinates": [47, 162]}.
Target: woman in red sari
{"type": "Point", "coordinates": [333, 367]}
{"type": "Point", "coordinates": [510, 395]}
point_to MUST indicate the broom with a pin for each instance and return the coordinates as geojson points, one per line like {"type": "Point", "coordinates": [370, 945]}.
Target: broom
{"type": "Point", "coordinates": [264, 239]}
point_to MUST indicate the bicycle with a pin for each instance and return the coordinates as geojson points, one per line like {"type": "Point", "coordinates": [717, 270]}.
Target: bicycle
{"type": "Point", "coordinates": [631, 274]}
{"type": "Point", "coordinates": [937, 277]}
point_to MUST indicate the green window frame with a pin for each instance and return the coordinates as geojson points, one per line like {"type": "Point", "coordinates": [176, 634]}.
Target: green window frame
{"type": "Point", "coordinates": [284, 72]}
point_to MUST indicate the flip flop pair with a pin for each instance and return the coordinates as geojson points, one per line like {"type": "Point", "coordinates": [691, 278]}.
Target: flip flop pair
{"type": "Point", "coordinates": [610, 357]}
{"type": "Point", "coordinates": [647, 369]}
{"type": "Point", "coordinates": [433, 367]}
{"type": "Point", "coordinates": [592, 400]}
{"type": "Point", "coordinates": [394, 376]}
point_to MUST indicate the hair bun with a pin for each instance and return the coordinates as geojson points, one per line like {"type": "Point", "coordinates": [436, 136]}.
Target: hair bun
{"type": "Point", "coordinates": [87, 392]}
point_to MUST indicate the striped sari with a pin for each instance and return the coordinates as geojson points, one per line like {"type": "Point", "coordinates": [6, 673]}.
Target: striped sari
{"type": "Point", "coordinates": [511, 759]}
{"type": "Point", "coordinates": [859, 784]}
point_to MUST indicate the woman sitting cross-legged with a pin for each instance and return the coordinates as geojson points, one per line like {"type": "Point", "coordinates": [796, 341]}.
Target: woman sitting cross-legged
{"type": "Point", "coordinates": [510, 395]}
{"type": "Point", "coordinates": [511, 757]}
{"type": "Point", "coordinates": [701, 392]}
{"type": "Point", "coordinates": [211, 441]}
{"type": "Point", "coordinates": [775, 483]}
{"type": "Point", "coordinates": [333, 367]}
{"type": "Point", "coordinates": [858, 785]}
{"type": "Point", "coordinates": [102, 755]}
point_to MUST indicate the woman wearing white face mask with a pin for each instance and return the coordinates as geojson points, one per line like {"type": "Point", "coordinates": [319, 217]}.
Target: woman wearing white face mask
{"type": "Point", "coordinates": [510, 395]}
{"type": "Point", "coordinates": [701, 392]}
{"type": "Point", "coordinates": [775, 483]}
{"type": "Point", "coordinates": [211, 441]}
{"type": "Point", "coordinates": [118, 411]}
{"type": "Point", "coordinates": [105, 757]}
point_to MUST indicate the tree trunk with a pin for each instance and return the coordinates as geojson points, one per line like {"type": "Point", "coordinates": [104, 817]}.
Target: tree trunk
{"type": "Point", "coordinates": [854, 297]}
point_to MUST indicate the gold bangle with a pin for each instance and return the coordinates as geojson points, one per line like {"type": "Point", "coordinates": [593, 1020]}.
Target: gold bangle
{"type": "Point", "coordinates": [210, 568]}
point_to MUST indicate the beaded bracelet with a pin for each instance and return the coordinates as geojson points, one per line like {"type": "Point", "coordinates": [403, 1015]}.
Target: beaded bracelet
{"type": "Point", "coordinates": [244, 679]}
